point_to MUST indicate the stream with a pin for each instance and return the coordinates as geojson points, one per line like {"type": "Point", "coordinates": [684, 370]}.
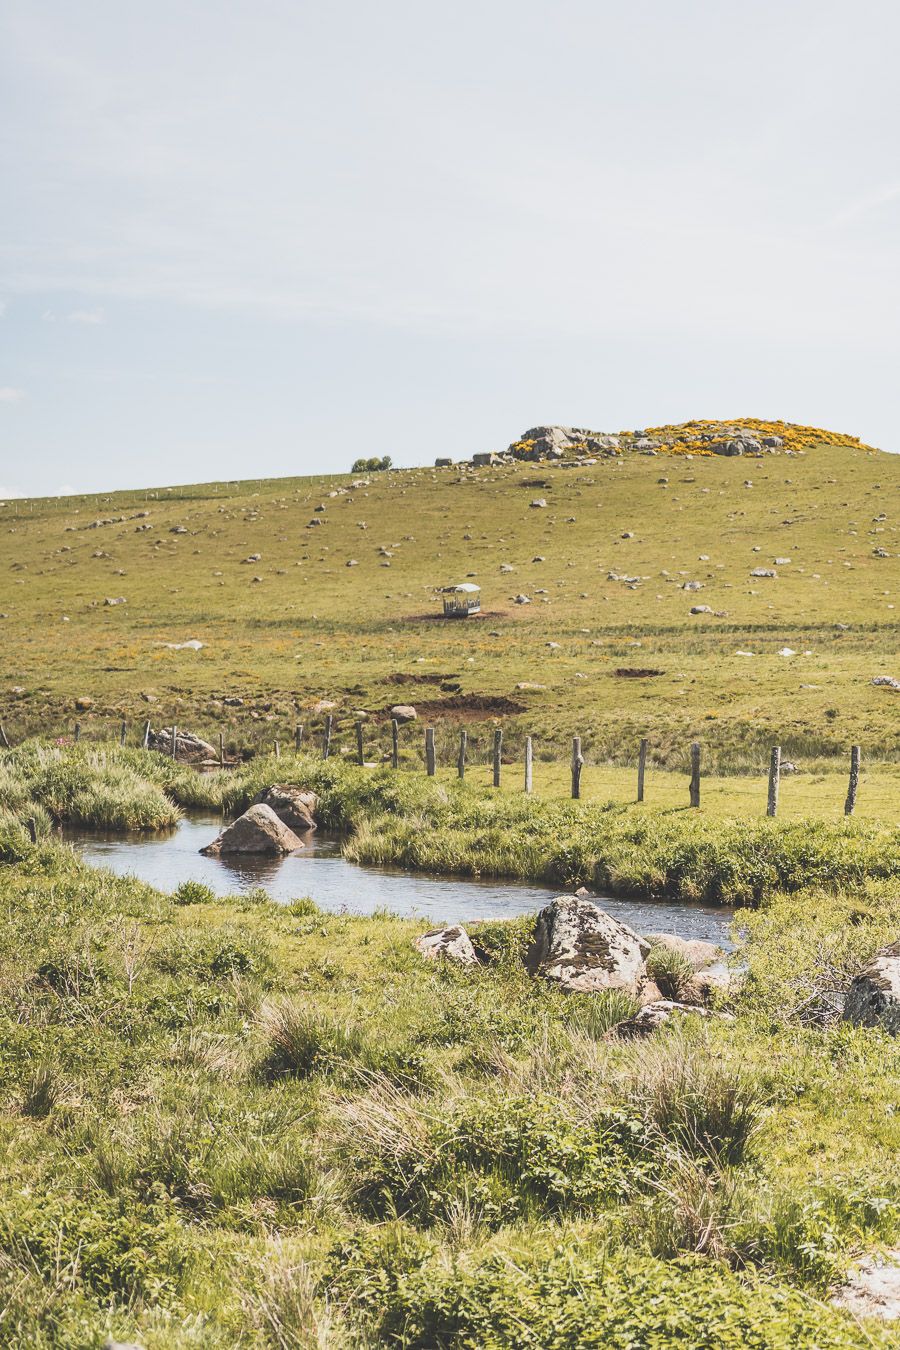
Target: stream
{"type": "Point", "coordinates": [320, 872]}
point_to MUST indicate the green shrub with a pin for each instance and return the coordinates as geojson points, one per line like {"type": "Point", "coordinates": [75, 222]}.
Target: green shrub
{"type": "Point", "coordinates": [304, 908]}
{"type": "Point", "coordinates": [193, 893]}
{"type": "Point", "coordinates": [670, 970]}
{"type": "Point", "coordinates": [695, 1102]}
{"type": "Point", "coordinates": [572, 1293]}
{"type": "Point", "coordinates": [507, 1157]}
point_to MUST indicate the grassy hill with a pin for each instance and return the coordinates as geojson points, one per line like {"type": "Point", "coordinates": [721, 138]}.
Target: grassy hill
{"type": "Point", "coordinates": [290, 613]}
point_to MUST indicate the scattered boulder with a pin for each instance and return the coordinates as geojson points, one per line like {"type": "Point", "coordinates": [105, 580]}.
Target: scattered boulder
{"type": "Point", "coordinates": [453, 944]}
{"type": "Point", "coordinates": [763, 572]}
{"type": "Point", "coordinates": [84, 704]}
{"type": "Point", "coordinates": [403, 712]}
{"type": "Point", "coordinates": [873, 999]}
{"type": "Point", "coordinates": [887, 681]}
{"type": "Point", "coordinates": [115, 600]}
{"type": "Point", "coordinates": [294, 806]}
{"type": "Point", "coordinates": [652, 1016]}
{"type": "Point", "coordinates": [187, 745]}
{"type": "Point", "coordinates": [258, 830]}
{"type": "Point", "coordinates": [580, 947]}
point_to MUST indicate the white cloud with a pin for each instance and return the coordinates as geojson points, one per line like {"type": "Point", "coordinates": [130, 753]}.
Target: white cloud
{"type": "Point", "coordinates": [83, 316]}
{"type": "Point", "coordinates": [10, 395]}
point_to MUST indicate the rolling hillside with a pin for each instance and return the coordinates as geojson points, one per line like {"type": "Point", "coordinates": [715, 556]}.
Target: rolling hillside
{"type": "Point", "coordinates": [303, 590]}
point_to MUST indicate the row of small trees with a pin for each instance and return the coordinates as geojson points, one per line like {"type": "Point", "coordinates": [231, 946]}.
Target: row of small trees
{"type": "Point", "coordinates": [371, 465]}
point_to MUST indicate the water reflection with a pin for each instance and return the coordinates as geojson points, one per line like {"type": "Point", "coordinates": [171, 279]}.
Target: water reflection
{"type": "Point", "coordinates": [319, 871]}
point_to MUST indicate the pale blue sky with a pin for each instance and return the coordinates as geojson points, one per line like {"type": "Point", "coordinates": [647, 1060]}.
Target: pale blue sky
{"type": "Point", "coordinates": [260, 238]}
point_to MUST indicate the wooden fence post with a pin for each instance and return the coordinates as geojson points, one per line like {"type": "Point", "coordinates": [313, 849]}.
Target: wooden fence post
{"type": "Point", "coordinates": [395, 743]}
{"type": "Point", "coordinates": [429, 752]}
{"type": "Point", "coordinates": [853, 787]}
{"type": "Point", "coordinates": [577, 766]}
{"type": "Point", "coordinates": [529, 763]}
{"type": "Point", "coordinates": [174, 741]}
{"type": "Point", "coordinates": [360, 759]}
{"type": "Point", "coordinates": [461, 757]}
{"type": "Point", "coordinates": [31, 827]}
{"type": "Point", "coordinates": [326, 742]}
{"type": "Point", "coordinates": [278, 749]}
{"type": "Point", "coordinates": [498, 746]}
{"type": "Point", "coordinates": [123, 732]}
{"type": "Point", "coordinates": [774, 781]}
{"type": "Point", "coordinates": [3, 738]}
{"type": "Point", "coordinates": [642, 767]}
{"type": "Point", "coordinates": [77, 732]}
{"type": "Point", "coordinates": [221, 749]}
{"type": "Point", "coordinates": [145, 739]}
{"type": "Point", "coordinates": [298, 735]}
{"type": "Point", "coordinates": [695, 774]}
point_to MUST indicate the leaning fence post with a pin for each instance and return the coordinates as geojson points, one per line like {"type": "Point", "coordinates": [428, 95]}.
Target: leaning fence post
{"type": "Point", "coordinates": [695, 774]}
{"type": "Point", "coordinates": [850, 803]}
{"type": "Point", "coordinates": [774, 781]}
{"type": "Point", "coordinates": [221, 749]}
{"type": "Point", "coordinates": [77, 731]}
{"type": "Point", "coordinates": [395, 743]}
{"type": "Point", "coordinates": [529, 762]}
{"type": "Point", "coordinates": [577, 766]}
{"type": "Point", "coordinates": [3, 739]}
{"type": "Point", "coordinates": [174, 741]}
{"type": "Point", "coordinates": [429, 751]}
{"type": "Point", "coordinates": [145, 739]}
{"type": "Point", "coordinates": [359, 743]}
{"type": "Point", "coordinates": [498, 746]}
{"type": "Point", "coordinates": [326, 741]}
{"type": "Point", "coordinates": [642, 766]}
{"type": "Point", "coordinates": [298, 735]}
{"type": "Point", "coordinates": [461, 757]}
{"type": "Point", "coordinates": [122, 733]}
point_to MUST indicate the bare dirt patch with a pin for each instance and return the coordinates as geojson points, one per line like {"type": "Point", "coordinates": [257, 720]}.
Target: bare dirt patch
{"type": "Point", "coordinates": [402, 677]}
{"type": "Point", "coordinates": [637, 672]}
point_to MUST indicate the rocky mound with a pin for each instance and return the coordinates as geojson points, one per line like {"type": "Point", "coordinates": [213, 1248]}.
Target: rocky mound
{"type": "Point", "coordinates": [749, 436]}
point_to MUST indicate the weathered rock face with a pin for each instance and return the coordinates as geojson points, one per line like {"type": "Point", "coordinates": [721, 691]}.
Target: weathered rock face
{"type": "Point", "coordinates": [873, 999]}
{"type": "Point", "coordinates": [294, 806]}
{"type": "Point", "coordinates": [187, 746]}
{"type": "Point", "coordinates": [258, 830]}
{"type": "Point", "coordinates": [652, 1016]}
{"type": "Point", "coordinates": [453, 944]}
{"type": "Point", "coordinates": [583, 949]}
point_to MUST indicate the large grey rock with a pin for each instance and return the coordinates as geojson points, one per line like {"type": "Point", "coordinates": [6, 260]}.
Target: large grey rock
{"type": "Point", "coordinates": [403, 712]}
{"type": "Point", "coordinates": [258, 830]}
{"type": "Point", "coordinates": [453, 944]}
{"type": "Point", "coordinates": [187, 745]}
{"type": "Point", "coordinates": [294, 806]}
{"type": "Point", "coordinates": [652, 1016]}
{"type": "Point", "coordinates": [873, 999]}
{"type": "Point", "coordinates": [582, 948]}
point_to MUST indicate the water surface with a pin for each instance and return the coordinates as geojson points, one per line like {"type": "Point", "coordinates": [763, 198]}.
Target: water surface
{"type": "Point", "coordinates": [319, 871]}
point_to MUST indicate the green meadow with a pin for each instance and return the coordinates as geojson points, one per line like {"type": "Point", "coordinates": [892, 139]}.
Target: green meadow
{"type": "Point", "coordinates": [230, 1123]}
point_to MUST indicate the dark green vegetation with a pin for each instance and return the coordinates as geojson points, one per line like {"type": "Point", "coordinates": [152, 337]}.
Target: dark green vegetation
{"type": "Point", "coordinates": [296, 625]}
{"type": "Point", "coordinates": [229, 1123]}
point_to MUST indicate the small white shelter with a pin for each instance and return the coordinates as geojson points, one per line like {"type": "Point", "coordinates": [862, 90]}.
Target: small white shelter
{"type": "Point", "coordinates": [461, 601]}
